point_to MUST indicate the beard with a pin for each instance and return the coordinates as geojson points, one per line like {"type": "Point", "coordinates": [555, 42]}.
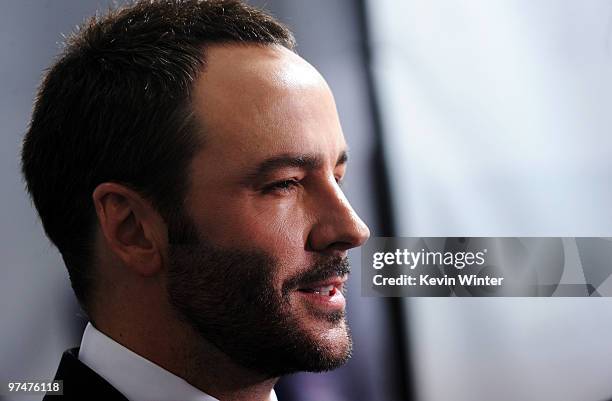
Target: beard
{"type": "Point", "coordinates": [228, 297]}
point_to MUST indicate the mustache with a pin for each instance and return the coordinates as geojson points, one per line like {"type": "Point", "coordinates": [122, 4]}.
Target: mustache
{"type": "Point", "coordinates": [337, 266]}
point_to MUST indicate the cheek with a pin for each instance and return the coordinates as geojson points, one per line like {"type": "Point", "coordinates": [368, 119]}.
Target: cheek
{"type": "Point", "coordinates": [278, 226]}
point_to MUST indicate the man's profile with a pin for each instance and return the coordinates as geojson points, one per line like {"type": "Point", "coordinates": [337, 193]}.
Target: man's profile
{"type": "Point", "coordinates": [186, 163]}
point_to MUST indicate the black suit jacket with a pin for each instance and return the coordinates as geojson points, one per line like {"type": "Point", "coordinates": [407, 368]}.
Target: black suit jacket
{"type": "Point", "coordinates": [82, 383]}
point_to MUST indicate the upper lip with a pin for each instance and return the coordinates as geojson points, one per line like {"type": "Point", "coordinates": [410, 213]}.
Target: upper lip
{"type": "Point", "coordinates": [336, 281]}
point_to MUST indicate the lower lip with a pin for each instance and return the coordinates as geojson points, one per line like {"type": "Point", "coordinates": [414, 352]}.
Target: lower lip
{"type": "Point", "coordinates": [325, 303]}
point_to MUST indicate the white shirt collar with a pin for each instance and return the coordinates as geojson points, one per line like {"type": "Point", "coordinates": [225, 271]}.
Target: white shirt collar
{"type": "Point", "coordinates": [137, 378]}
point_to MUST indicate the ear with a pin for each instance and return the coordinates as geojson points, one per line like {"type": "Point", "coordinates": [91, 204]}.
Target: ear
{"type": "Point", "coordinates": [131, 227]}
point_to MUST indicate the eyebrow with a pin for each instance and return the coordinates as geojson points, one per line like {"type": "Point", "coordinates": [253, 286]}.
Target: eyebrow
{"type": "Point", "coordinates": [302, 161]}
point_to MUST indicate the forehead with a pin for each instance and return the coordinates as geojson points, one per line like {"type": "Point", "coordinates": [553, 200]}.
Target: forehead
{"type": "Point", "coordinates": [257, 101]}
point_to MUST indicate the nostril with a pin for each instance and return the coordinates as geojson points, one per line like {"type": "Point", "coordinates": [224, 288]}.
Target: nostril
{"type": "Point", "coordinates": [341, 246]}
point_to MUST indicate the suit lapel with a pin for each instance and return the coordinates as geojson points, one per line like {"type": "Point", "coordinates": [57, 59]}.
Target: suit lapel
{"type": "Point", "coordinates": [80, 382]}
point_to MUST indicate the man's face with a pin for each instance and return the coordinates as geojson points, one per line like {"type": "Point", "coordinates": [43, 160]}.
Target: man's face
{"type": "Point", "coordinates": [263, 279]}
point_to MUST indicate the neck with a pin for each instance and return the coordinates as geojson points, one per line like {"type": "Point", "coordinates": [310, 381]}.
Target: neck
{"type": "Point", "coordinates": [186, 355]}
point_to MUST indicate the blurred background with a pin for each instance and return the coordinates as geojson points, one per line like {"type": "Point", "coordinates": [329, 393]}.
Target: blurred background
{"type": "Point", "coordinates": [474, 118]}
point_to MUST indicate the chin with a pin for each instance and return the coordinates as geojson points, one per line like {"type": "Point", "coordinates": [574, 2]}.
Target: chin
{"type": "Point", "coordinates": [333, 345]}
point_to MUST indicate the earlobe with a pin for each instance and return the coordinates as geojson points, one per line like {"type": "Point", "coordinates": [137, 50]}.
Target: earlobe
{"type": "Point", "coordinates": [131, 227]}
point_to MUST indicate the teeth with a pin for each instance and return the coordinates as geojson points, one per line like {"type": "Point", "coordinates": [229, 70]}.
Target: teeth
{"type": "Point", "coordinates": [323, 290]}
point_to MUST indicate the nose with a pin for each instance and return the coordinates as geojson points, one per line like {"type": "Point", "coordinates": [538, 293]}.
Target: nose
{"type": "Point", "coordinates": [337, 228]}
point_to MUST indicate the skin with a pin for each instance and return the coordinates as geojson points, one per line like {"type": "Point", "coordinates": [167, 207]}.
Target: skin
{"type": "Point", "coordinates": [255, 103]}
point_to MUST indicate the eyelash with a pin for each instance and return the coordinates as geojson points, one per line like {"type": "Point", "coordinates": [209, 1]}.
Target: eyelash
{"type": "Point", "coordinates": [289, 185]}
{"type": "Point", "coordinates": [282, 186]}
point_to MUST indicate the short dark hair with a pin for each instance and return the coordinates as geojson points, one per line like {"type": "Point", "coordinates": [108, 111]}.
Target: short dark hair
{"type": "Point", "coordinates": [115, 107]}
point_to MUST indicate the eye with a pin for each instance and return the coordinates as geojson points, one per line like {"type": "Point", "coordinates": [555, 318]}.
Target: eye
{"type": "Point", "coordinates": [281, 186]}
{"type": "Point", "coordinates": [340, 181]}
